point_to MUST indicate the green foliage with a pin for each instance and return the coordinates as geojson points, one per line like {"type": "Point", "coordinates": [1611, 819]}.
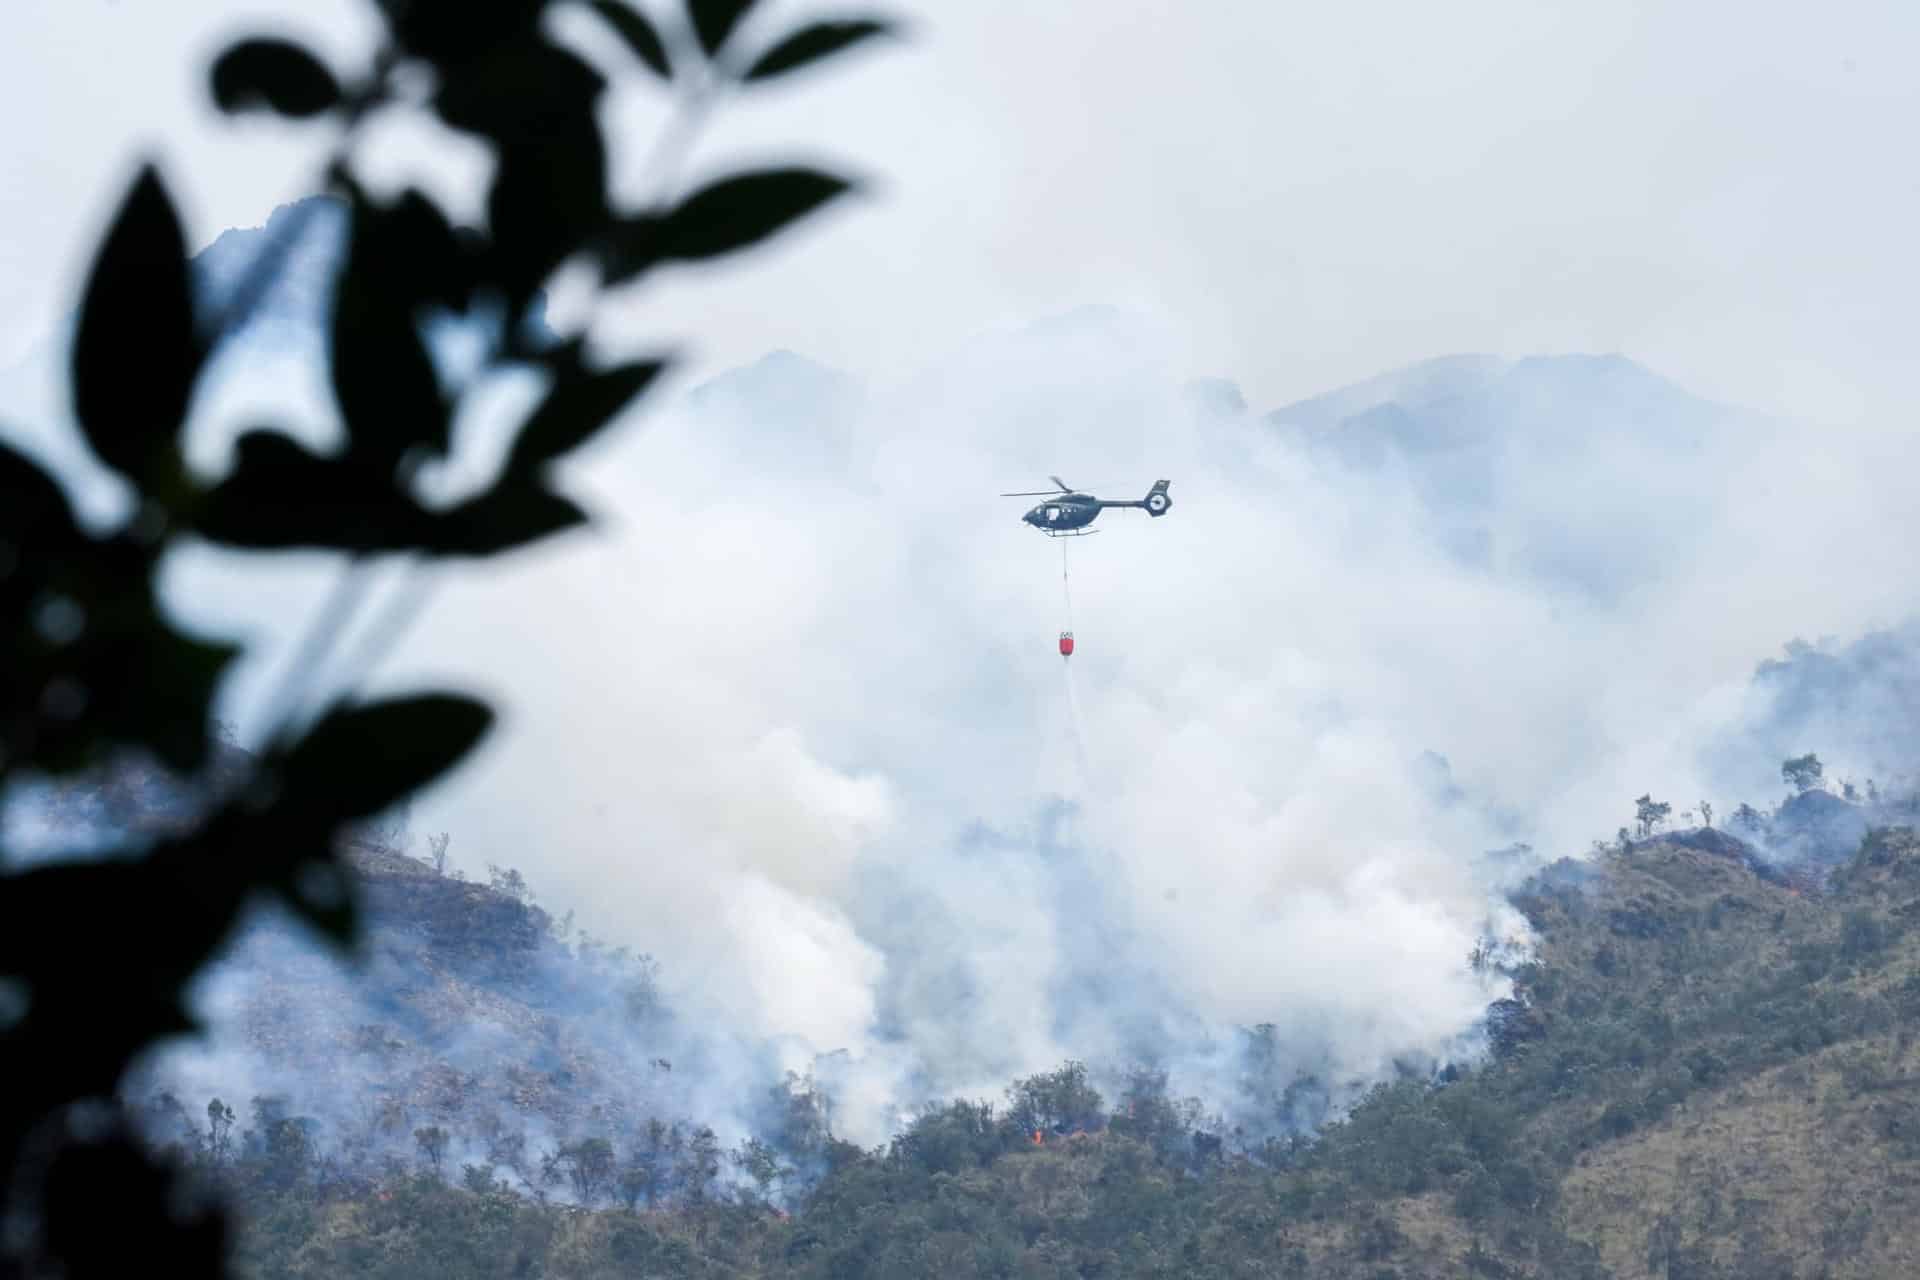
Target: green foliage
{"type": "Point", "coordinates": [1147, 1114]}
{"type": "Point", "coordinates": [1466, 1173]}
{"type": "Point", "coordinates": [1802, 773]}
{"type": "Point", "coordinates": [432, 1141]}
{"type": "Point", "coordinates": [1650, 815]}
{"type": "Point", "coordinates": [953, 1138]}
{"type": "Point", "coordinates": [99, 672]}
{"type": "Point", "coordinates": [1862, 934]}
{"type": "Point", "coordinates": [1057, 1102]}
{"type": "Point", "coordinates": [586, 1167]}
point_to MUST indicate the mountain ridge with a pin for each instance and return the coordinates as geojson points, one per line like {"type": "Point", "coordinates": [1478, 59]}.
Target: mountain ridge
{"type": "Point", "coordinates": [1694, 1028]}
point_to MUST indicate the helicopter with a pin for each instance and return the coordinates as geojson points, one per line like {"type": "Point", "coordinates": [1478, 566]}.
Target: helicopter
{"type": "Point", "coordinates": [1067, 514]}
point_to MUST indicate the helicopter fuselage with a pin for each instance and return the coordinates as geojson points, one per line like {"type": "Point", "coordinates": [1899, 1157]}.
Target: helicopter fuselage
{"type": "Point", "coordinates": [1065, 513]}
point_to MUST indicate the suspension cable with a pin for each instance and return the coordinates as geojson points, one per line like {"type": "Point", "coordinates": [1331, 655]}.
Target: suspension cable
{"type": "Point", "coordinates": [1066, 584]}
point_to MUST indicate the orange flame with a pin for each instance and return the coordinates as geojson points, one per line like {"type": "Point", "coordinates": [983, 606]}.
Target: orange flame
{"type": "Point", "coordinates": [1038, 1138]}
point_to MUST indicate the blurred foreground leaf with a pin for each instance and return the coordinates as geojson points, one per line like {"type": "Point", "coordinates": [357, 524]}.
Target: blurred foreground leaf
{"type": "Point", "coordinates": [812, 43]}
{"type": "Point", "coordinates": [364, 759]}
{"type": "Point", "coordinates": [732, 214]}
{"type": "Point", "coordinates": [714, 20]}
{"type": "Point", "coordinates": [278, 75]}
{"type": "Point", "coordinates": [580, 404]}
{"type": "Point", "coordinates": [97, 953]}
{"type": "Point", "coordinates": [135, 356]}
{"type": "Point", "coordinates": [637, 30]}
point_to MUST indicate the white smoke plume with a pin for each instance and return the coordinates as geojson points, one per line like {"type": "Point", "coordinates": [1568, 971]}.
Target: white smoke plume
{"type": "Point", "coordinates": [791, 719]}
{"type": "Point", "coordinates": [817, 757]}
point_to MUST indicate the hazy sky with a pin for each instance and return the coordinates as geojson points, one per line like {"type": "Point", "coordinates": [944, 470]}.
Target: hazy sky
{"type": "Point", "coordinates": [1317, 192]}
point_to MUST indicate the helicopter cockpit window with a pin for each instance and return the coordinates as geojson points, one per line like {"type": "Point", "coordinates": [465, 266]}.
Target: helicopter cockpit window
{"type": "Point", "coordinates": [1053, 513]}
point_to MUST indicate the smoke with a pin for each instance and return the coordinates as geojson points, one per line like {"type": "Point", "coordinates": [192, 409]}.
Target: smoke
{"type": "Point", "coordinates": [1564, 598]}
{"type": "Point", "coordinates": [815, 759]}
{"type": "Point", "coordinates": [1857, 704]}
{"type": "Point", "coordinates": [789, 722]}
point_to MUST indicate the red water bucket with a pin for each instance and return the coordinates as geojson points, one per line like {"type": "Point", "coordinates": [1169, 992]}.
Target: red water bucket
{"type": "Point", "coordinates": [1066, 644]}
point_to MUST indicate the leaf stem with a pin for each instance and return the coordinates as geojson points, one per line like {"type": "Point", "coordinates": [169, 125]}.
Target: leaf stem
{"type": "Point", "coordinates": [335, 612]}
{"type": "Point", "coordinates": [662, 168]}
{"type": "Point", "coordinates": [405, 603]}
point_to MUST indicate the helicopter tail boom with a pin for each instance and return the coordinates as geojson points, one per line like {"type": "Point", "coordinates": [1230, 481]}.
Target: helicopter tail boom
{"type": "Point", "coordinates": [1156, 503]}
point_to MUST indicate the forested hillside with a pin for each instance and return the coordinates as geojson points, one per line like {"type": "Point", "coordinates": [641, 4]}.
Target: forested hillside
{"type": "Point", "coordinates": [1707, 1071]}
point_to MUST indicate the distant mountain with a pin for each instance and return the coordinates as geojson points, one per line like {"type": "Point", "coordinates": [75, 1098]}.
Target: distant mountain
{"type": "Point", "coordinates": [1576, 472]}
{"type": "Point", "coordinates": [1471, 401]}
{"type": "Point", "coordinates": [1423, 388]}
{"type": "Point", "coordinates": [293, 301]}
{"type": "Point", "coordinates": [1219, 398]}
{"type": "Point", "coordinates": [290, 306]}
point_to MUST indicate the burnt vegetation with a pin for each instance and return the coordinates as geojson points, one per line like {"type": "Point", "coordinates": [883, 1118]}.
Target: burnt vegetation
{"type": "Point", "coordinates": [1704, 1070]}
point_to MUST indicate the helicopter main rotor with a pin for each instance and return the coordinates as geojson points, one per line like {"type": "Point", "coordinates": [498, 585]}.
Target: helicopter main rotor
{"type": "Point", "coordinates": [1060, 486]}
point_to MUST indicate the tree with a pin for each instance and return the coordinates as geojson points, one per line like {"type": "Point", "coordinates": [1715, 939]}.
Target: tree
{"type": "Point", "coordinates": [637, 1182]}
{"type": "Point", "coordinates": [281, 1148]}
{"type": "Point", "coordinates": [509, 1151]}
{"type": "Point", "coordinates": [1663, 1252]}
{"type": "Point", "coordinates": [1650, 815]}
{"type": "Point", "coordinates": [509, 882]}
{"type": "Point", "coordinates": [1145, 1111]}
{"type": "Point", "coordinates": [1748, 818]}
{"type": "Point", "coordinates": [698, 1165]}
{"type": "Point", "coordinates": [219, 1131]}
{"type": "Point", "coordinates": [1802, 773]}
{"type": "Point", "coordinates": [98, 669]}
{"type": "Point", "coordinates": [761, 1163]}
{"type": "Point", "coordinates": [437, 852]}
{"type": "Point", "coordinates": [800, 1117]}
{"type": "Point", "coordinates": [1058, 1101]}
{"type": "Point", "coordinates": [1706, 814]}
{"type": "Point", "coordinates": [432, 1142]}
{"type": "Point", "coordinates": [587, 1166]}
{"type": "Point", "coordinates": [649, 1173]}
